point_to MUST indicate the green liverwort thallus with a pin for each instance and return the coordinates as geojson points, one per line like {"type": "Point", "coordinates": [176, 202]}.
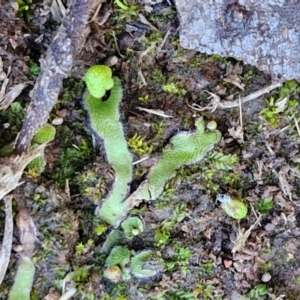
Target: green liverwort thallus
{"type": "Point", "coordinates": [185, 148]}
{"type": "Point", "coordinates": [234, 208]}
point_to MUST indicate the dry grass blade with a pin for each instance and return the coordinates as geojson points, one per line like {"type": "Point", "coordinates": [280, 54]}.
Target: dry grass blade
{"type": "Point", "coordinates": [243, 236]}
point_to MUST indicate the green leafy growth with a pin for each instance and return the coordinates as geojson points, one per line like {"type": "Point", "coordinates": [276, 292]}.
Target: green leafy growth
{"type": "Point", "coordinates": [24, 7]}
{"type": "Point", "coordinates": [234, 208]}
{"type": "Point", "coordinates": [139, 146]}
{"type": "Point", "coordinates": [100, 229]}
{"type": "Point", "coordinates": [144, 99]}
{"type": "Point", "coordinates": [44, 135]}
{"type": "Point", "coordinates": [208, 268]}
{"type": "Point", "coordinates": [98, 79]}
{"type": "Point", "coordinates": [36, 167]}
{"type": "Point", "coordinates": [115, 237]}
{"type": "Point", "coordinates": [265, 205]}
{"type": "Point", "coordinates": [179, 259]}
{"type": "Point", "coordinates": [104, 120]}
{"type": "Point", "coordinates": [159, 128]}
{"type": "Point", "coordinates": [13, 115]}
{"type": "Point", "coordinates": [177, 294]}
{"type": "Point", "coordinates": [258, 292]}
{"type": "Point", "coordinates": [132, 226]}
{"type": "Point", "coordinates": [23, 281]}
{"type": "Point", "coordinates": [174, 89]}
{"type": "Point", "coordinates": [272, 111]}
{"type": "Point", "coordinates": [205, 290]}
{"type": "Point", "coordinates": [136, 265]}
{"type": "Point", "coordinates": [223, 162]}
{"type": "Point", "coordinates": [185, 148]}
{"type": "Point", "coordinates": [158, 75]}
{"type": "Point", "coordinates": [80, 248]}
{"type": "Point", "coordinates": [126, 9]}
{"type": "Point", "coordinates": [6, 150]}
{"type": "Point", "coordinates": [71, 161]}
{"type": "Point", "coordinates": [80, 274]}
{"type": "Point", "coordinates": [119, 255]}
{"type": "Point", "coordinates": [182, 253]}
{"type": "Point", "coordinates": [289, 88]}
{"type": "Point", "coordinates": [33, 69]}
{"type": "Point", "coordinates": [283, 107]}
{"type": "Point", "coordinates": [163, 233]}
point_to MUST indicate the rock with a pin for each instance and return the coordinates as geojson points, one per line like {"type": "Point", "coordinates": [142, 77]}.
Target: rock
{"type": "Point", "coordinates": [266, 277]}
{"type": "Point", "coordinates": [265, 33]}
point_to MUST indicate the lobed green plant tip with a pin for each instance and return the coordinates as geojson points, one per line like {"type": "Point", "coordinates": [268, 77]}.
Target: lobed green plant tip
{"type": "Point", "coordinates": [104, 120]}
{"type": "Point", "coordinates": [185, 148]}
{"type": "Point", "coordinates": [98, 79]}
{"type": "Point", "coordinates": [23, 281]}
{"type": "Point", "coordinates": [136, 265]}
{"type": "Point", "coordinates": [44, 135]}
{"type": "Point", "coordinates": [132, 226]}
{"type": "Point", "coordinates": [114, 238]}
{"type": "Point", "coordinates": [119, 255]}
{"type": "Point", "coordinates": [234, 208]}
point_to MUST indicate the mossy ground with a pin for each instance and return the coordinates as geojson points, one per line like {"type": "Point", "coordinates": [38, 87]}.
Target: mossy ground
{"type": "Point", "coordinates": [188, 232]}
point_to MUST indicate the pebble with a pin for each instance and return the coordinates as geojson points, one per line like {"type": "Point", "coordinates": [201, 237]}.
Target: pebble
{"type": "Point", "coordinates": [57, 121]}
{"type": "Point", "coordinates": [266, 277]}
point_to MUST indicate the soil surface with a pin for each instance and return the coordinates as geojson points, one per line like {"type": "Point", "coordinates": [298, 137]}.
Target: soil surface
{"type": "Point", "coordinates": [198, 252]}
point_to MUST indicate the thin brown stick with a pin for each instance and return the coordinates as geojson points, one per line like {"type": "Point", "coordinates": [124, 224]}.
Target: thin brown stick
{"type": "Point", "coordinates": [54, 68]}
{"type": "Point", "coordinates": [7, 239]}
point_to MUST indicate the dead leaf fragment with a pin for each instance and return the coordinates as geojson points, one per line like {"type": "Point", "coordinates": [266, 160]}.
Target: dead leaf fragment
{"type": "Point", "coordinates": [12, 168]}
{"type": "Point", "coordinates": [9, 98]}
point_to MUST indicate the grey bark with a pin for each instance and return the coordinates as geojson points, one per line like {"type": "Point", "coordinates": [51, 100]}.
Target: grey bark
{"type": "Point", "coordinates": [265, 34]}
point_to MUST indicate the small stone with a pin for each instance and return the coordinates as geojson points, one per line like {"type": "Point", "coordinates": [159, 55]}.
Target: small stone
{"type": "Point", "coordinates": [112, 61]}
{"type": "Point", "coordinates": [266, 277]}
{"type": "Point", "coordinates": [113, 273]}
{"type": "Point", "coordinates": [62, 113]}
{"type": "Point", "coordinates": [269, 227]}
{"type": "Point", "coordinates": [57, 121]}
{"type": "Point", "coordinates": [227, 263]}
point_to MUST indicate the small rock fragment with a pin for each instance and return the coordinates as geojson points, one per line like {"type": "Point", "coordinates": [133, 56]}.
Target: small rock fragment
{"type": "Point", "coordinates": [266, 277]}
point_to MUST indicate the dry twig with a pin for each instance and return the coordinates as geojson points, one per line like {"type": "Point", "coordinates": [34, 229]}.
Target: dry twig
{"type": "Point", "coordinates": [54, 68]}
{"type": "Point", "coordinates": [217, 103]}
